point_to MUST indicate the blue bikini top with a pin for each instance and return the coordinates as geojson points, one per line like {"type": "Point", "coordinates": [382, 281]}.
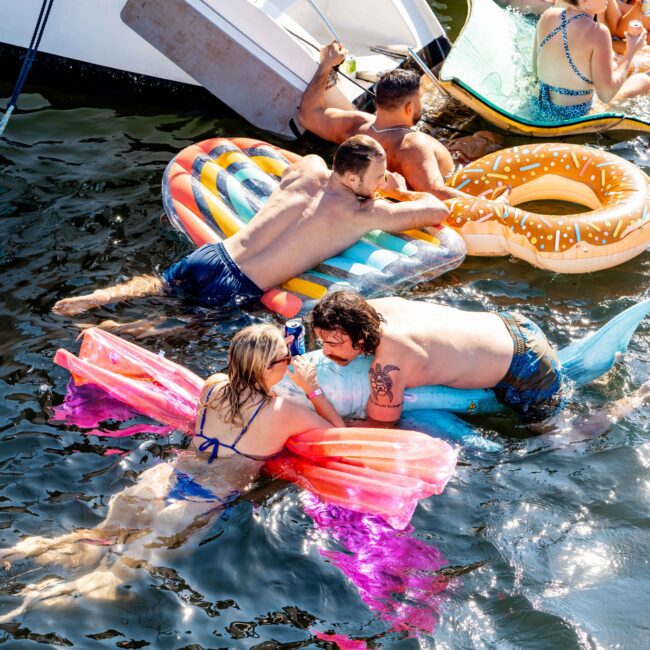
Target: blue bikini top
{"type": "Point", "coordinates": [557, 30]}
{"type": "Point", "coordinates": [215, 443]}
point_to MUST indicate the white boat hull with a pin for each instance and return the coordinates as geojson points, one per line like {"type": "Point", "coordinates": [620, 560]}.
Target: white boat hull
{"type": "Point", "coordinates": [88, 31]}
{"type": "Point", "coordinates": [257, 56]}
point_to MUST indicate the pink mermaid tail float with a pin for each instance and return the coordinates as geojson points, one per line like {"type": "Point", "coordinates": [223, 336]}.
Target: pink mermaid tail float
{"type": "Point", "coordinates": [378, 471]}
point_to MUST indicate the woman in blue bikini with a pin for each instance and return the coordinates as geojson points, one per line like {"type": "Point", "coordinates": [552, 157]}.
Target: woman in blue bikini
{"type": "Point", "coordinates": [573, 59]}
{"type": "Point", "coordinates": [250, 420]}
{"type": "Point", "coordinates": [240, 422]}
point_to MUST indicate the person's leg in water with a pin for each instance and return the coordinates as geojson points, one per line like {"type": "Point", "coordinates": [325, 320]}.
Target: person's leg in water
{"type": "Point", "coordinates": [581, 427]}
{"type": "Point", "coordinates": [635, 85]}
{"type": "Point", "coordinates": [138, 287]}
{"type": "Point", "coordinates": [130, 515]}
{"type": "Point", "coordinates": [158, 514]}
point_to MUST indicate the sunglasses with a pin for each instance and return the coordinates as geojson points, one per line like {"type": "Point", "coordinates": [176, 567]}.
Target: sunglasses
{"type": "Point", "coordinates": [285, 359]}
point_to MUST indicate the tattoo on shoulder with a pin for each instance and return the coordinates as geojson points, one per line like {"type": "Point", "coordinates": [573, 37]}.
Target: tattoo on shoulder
{"type": "Point", "coordinates": [381, 383]}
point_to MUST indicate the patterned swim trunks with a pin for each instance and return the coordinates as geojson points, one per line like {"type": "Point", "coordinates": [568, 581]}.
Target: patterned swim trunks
{"type": "Point", "coordinates": [532, 384]}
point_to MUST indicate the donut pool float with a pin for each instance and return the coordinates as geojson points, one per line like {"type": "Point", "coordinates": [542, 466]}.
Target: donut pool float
{"type": "Point", "coordinates": [213, 188]}
{"type": "Point", "coordinates": [616, 191]}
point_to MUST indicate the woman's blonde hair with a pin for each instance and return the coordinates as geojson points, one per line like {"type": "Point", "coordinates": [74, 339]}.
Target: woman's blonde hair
{"type": "Point", "coordinates": [251, 351]}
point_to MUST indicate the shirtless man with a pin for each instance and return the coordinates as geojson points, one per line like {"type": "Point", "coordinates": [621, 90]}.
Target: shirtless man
{"type": "Point", "coordinates": [420, 344]}
{"type": "Point", "coordinates": [422, 160]}
{"type": "Point", "coordinates": [312, 215]}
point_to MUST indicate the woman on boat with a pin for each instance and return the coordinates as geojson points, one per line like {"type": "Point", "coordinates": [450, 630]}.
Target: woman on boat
{"type": "Point", "coordinates": [573, 59]}
{"type": "Point", "coordinates": [240, 422]}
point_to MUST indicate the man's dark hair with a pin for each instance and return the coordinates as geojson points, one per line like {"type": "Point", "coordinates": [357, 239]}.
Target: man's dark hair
{"type": "Point", "coordinates": [348, 312]}
{"type": "Point", "coordinates": [355, 153]}
{"type": "Point", "coordinates": [395, 87]}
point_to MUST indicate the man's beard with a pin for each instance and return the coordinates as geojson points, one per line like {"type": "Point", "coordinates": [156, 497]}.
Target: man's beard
{"type": "Point", "coordinates": [335, 359]}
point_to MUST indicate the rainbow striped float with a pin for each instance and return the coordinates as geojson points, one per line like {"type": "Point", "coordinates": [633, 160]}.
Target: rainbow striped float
{"type": "Point", "coordinates": [617, 192]}
{"type": "Point", "coordinates": [215, 187]}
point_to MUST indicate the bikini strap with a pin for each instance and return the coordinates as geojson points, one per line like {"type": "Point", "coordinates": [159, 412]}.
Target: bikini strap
{"type": "Point", "coordinates": [209, 442]}
{"type": "Point", "coordinates": [245, 429]}
{"type": "Point", "coordinates": [565, 38]}
{"type": "Point", "coordinates": [214, 443]}
{"type": "Point", "coordinates": [561, 26]}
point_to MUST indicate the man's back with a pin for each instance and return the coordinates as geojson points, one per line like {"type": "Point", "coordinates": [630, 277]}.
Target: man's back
{"type": "Point", "coordinates": [300, 225]}
{"type": "Point", "coordinates": [433, 344]}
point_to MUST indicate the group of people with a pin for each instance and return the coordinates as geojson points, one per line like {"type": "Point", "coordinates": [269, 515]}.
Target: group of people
{"type": "Point", "coordinates": [385, 175]}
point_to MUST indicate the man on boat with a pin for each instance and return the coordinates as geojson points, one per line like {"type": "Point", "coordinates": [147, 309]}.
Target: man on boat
{"type": "Point", "coordinates": [422, 344]}
{"type": "Point", "coordinates": [312, 215]}
{"type": "Point", "coordinates": [421, 159]}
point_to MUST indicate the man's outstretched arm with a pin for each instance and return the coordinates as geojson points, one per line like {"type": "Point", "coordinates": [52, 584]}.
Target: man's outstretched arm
{"type": "Point", "coordinates": [329, 123]}
{"type": "Point", "coordinates": [414, 210]}
{"type": "Point", "coordinates": [138, 287]}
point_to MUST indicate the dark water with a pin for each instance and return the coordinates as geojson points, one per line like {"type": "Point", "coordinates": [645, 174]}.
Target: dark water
{"type": "Point", "coordinates": [551, 536]}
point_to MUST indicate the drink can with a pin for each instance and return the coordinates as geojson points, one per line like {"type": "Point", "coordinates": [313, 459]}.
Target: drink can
{"type": "Point", "coordinates": [295, 327]}
{"type": "Point", "coordinates": [635, 27]}
{"type": "Point", "coordinates": [349, 66]}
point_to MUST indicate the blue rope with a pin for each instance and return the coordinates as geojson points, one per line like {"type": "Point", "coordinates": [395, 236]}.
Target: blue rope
{"type": "Point", "coordinates": [43, 16]}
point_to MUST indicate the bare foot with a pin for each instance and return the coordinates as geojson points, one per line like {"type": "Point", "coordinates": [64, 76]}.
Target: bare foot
{"type": "Point", "coordinates": [71, 550]}
{"type": "Point", "coordinates": [80, 304]}
{"type": "Point", "coordinates": [140, 329]}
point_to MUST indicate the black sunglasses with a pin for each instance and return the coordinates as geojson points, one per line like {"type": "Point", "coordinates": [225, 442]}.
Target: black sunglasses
{"type": "Point", "coordinates": [286, 359]}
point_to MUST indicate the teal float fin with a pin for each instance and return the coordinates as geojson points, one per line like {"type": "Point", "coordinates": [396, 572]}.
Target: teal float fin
{"type": "Point", "coordinates": [587, 359]}
{"type": "Point", "coordinates": [446, 425]}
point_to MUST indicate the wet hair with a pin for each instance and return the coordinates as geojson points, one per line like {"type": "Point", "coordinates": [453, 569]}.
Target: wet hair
{"type": "Point", "coordinates": [355, 153]}
{"type": "Point", "coordinates": [251, 351]}
{"type": "Point", "coordinates": [395, 87]}
{"type": "Point", "coordinates": [348, 312]}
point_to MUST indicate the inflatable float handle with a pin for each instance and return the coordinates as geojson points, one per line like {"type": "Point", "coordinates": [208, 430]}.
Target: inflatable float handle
{"type": "Point", "coordinates": [282, 302]}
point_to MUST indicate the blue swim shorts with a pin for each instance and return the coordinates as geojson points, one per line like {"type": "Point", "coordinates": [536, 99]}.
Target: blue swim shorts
{"type": "Point", "coordinates": [210, 277]}
{"type": "Point", "coordinates": [533, 382]}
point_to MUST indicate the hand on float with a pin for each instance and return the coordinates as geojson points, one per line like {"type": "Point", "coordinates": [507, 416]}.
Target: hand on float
{"type": "Point", "coordinates": [394, 186]}
{"type": "Point", "coordinates": [303, 375]}
{"type": "Point", "coordinates": [501, 195]}
{"type": "Point", "coordinates": [332, 54]}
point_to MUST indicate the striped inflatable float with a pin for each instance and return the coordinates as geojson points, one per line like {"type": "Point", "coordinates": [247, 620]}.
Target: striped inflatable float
{"type": "Point", "coordinates": [213, 188]}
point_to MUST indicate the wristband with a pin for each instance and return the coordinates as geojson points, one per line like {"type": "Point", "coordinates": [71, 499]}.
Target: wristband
{"type": "Point", "coordinates": [315, 393]}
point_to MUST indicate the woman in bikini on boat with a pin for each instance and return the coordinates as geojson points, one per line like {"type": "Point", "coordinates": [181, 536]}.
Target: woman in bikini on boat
{"type": "Point", "coordinates": [573, 60]}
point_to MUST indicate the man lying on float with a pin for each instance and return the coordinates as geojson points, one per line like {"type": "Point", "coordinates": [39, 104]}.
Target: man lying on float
{"type": "Point", "coordinates": [421, 344]}
{"type": "Point", "coordinates": [314, 214]}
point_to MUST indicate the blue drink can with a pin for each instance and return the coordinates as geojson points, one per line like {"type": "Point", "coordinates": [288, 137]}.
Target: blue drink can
{"type": "Point", "coordinates": [295, 327]}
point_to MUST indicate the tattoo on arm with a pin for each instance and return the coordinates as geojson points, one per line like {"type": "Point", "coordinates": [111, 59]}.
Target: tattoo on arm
{"type": "Point", "coordinates": [381, 383]}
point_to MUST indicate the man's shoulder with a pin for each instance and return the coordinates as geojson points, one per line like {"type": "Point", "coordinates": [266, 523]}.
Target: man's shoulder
{"type": "Point", "coordinates": [311, 160]}
{"type": "Point", "coordinates": [420, 140]}
{"type": "Point", "coordinates": [308, 169]}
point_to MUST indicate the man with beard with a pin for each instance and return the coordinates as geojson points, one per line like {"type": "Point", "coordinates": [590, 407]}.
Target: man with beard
{"type": "Point", "coordinates": [419, 158]}
{"type": "Point", "coordinates": [422, 344]}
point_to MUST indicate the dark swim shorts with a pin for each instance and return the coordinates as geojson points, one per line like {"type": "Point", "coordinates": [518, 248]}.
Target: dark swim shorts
{"type": "Point", "coordinates": [210, 277]}
{"type": "Point", "coordinates": [532, 384]}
